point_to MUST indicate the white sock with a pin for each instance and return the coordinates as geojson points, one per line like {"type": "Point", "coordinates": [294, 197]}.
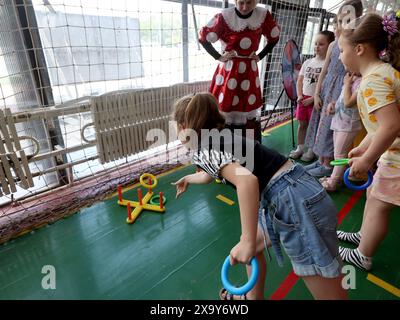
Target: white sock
{"type": "Point", "coordinates": [354, 256]}
{"type": "Point", "coordinates": [353, 237]}
{"type": "Point", "coordinates": [367, 261]}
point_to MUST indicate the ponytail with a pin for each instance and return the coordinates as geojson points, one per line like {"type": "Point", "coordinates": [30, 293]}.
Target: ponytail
{"type": "Point", "coordinates": [394, 45]}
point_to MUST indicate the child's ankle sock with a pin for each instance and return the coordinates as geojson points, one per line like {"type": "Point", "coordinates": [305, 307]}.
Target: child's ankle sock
{"type": "Point", "coordinates": [355, 257]}
{"type": "Point", "coordinates": [353, 237]}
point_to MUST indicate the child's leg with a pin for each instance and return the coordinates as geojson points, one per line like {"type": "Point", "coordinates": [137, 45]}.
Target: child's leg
{"type": "Point", "coordinates": [382, 196]}
{"type": "Point", "coordinates": [257, 293]}
{"type": "Point", "coordinates": [325, 288]}
{"type": "Point", "coordinates": [301, 132]}
{"type": "Point", "coordinates": [375, 225]}
{"type": "Point", "coordinates": [331, 183]}
{"type": "Point", "coordinates": [373, 230]}
{"type": "Point", "coordinates": [354, 237]}
{"type": "Point", "coordinates": [301, 136]}
{"type": "Point", "coordinates": [342, 142]}
{"type": "Point", "coordinates": [326, 162]}
{"type": "Point", "coordinates": [368, 195]}
{"type": "Point", "coordinates": [339, 150]}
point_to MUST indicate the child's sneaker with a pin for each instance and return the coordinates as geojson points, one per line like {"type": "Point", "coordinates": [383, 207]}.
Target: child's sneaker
{"type": "Point", "coordinates": [320, 171]}
{"type": "Point", "coordinates": [295, 154]}
{"type": "Point", "coordinates": [313, 165]}
{"type": "Point", "coordinates": [308, 156]}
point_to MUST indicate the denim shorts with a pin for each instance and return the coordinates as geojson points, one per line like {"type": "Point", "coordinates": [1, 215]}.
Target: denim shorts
{"type": "Point", "coordinates": [301, 217]}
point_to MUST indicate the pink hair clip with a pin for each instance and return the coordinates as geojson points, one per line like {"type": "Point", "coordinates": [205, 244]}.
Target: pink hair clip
{"type": "Point", "coordinates": [389, 23]}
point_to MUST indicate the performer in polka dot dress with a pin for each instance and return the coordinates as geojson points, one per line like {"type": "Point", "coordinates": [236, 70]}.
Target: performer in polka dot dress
{"type": "Point", "coordinates": [236, 82]}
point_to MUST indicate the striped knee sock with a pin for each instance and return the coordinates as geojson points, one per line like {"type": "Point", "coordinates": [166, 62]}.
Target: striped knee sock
{"type": "Point", "coordinates": [355, 257]}
{"type": "Point", "coordinates": [349, 236]}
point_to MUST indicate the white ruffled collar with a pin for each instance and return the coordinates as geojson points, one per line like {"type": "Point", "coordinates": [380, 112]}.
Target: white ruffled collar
{"type": "Point", "coordinates": [235, 23]}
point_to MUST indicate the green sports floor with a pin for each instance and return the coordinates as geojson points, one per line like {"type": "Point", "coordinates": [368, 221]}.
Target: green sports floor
{"type": "Point", "coordinates": [176, 255]}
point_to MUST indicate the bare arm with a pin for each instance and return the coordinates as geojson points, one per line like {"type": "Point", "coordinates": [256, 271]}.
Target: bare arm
{"type": "Point", "coordinates": [300, 88]}
{"type": "Point", "coordinates": [361, 148]}
{"type": "Point", "coordinates": [200, 177]}
{"type": "Point", "coordinates": [248, 196]}
{"type": "Point", "coordinates": [388, 118]}
{"type": "Point", "coordinates": [300, 97]}
{"type": "Point", "coordinates": [317, 99]}
{"type": "Point", "coordinates": [324, 70]}
{"type": "Point", "coordinates": [349, 99]}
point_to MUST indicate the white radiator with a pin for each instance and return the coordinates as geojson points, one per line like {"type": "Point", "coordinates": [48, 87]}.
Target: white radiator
{"type": "Point", "coordinates": [122, 119]}
{"type": "Point", "coordinates": [13, 160]}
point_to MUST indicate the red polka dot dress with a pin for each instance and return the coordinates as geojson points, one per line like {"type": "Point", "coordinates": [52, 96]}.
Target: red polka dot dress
{"type": "Point", "coordinates": [236, 82]}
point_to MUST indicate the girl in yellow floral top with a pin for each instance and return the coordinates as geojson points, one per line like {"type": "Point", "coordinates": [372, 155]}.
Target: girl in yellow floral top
{"type": "Point", "coordinates": [362, 50]}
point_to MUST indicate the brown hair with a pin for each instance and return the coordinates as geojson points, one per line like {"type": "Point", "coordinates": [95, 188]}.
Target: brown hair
{"type": "Point", "coordinates": [198, 111]}
{"type": "Point", "coordinates": [370, 31]}
{"type": "Point", "coordinates": [330, 36]}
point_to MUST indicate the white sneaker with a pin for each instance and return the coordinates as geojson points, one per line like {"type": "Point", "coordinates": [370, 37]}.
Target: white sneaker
{"type": "Point", "coordinates": [308, 156]}
{"type": "Point", "coordinates": [313, 165]}
{"type": "Point", "coordinates": [295, 154]}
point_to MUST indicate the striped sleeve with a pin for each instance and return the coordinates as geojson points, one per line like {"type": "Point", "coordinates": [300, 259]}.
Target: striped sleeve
{"type": "Point", "coordinates": [212, 161]}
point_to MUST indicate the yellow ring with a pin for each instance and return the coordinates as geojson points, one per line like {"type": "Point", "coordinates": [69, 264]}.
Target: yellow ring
{"type": "Point", "coordinates": [144, 184]}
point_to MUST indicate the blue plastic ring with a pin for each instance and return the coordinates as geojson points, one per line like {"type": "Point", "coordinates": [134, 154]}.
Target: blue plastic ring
{"type": "Point", "coordinates": [246, 287]}
{"type": "Point", "coordinates": [355, 187]}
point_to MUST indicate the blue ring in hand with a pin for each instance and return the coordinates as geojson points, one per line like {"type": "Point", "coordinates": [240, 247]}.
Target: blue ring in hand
{"type": "Point", "coordinates": [355, 187]}
{"type": "Point", "coordinates": [246, 287]}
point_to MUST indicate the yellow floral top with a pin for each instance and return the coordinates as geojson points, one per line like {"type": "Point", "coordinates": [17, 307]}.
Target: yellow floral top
{"type": "Point", "coordinates": [378, 89]}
